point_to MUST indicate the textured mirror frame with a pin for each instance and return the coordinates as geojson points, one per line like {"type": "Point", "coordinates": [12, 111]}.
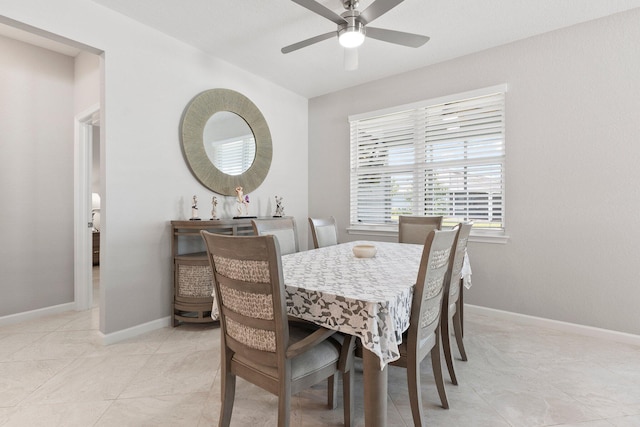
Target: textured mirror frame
{"type": "Point", "coordinates": [194, 119]}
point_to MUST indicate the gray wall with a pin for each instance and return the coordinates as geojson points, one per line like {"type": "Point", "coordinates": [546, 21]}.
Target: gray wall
{"type": "Point", "coordinates": [572, 198]}
{"type": "Point", "coordinates": [36, 177]}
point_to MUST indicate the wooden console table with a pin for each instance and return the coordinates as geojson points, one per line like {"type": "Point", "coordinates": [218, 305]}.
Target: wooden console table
{"type": "Point", "coordinates": [192, 286]}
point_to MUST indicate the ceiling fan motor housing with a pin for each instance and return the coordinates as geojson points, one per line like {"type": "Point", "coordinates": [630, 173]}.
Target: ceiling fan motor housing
{"type": "Point", "coordinates": [353, 27]}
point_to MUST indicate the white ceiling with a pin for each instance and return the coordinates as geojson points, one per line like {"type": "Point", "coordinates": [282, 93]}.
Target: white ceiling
{"type": "Point", "coordinates": [250, 33]}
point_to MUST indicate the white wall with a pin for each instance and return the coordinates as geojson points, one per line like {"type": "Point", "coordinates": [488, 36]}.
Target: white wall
{"type": "Point", "coordinates": [36, 177]}
{"type": "Point", "coordinates": [87, 82]}
{"type": "Point", "coordinates": [87, 92]}
{"type": "Point", "coordinates": [572, 198]}
{"type": "Point", "coordinates": [148, 80]}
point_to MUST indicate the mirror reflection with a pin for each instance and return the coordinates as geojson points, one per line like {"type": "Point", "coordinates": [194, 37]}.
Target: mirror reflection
{"type": "Point", "coordinates": [229, 143]}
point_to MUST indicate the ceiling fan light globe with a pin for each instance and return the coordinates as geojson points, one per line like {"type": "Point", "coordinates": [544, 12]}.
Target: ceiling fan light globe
{"type": "Point", "coordinates": [351, 38]}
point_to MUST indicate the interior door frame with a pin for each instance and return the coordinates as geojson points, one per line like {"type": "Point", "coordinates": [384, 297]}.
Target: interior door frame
{"type": "Point", "coordinates": [83, 239]}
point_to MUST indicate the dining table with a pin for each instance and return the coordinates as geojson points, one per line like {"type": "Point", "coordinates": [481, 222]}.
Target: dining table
{"type": "Point", "coordinates": [369, 298]}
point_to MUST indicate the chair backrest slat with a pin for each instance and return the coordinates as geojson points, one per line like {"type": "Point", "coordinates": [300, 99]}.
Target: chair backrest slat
{"type": "Point", "coordinates": [284, 229]}
{"type": "Point", "coordinates": [432, 276]}
{"type": "Point", "coordinates": [464, 229]}
{"type": "Point", "coordinates": [324, 232]}
{"type": "Point", "coordinates": [415, 229]}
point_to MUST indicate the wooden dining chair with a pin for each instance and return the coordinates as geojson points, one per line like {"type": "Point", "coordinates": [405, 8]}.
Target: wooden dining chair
{"type": "Point", "coordinates": [451, 302]}
{"type": "Point", "coordinates": [259, 343]}
{"type": "Point", "coordinates": [414, 229]}
{"type": "Point", "coordinates": [324, 232]}
{"type": "Point", "coordinates": [422, 337]}
{"type": "Point", "coordinates": [284, 229]}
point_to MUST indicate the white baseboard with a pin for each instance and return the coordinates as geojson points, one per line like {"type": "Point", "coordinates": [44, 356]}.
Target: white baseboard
{"type": "Point", "coordinates": [106, 339]}
{"type": "Point", "coordinates": [35, 314]}
{"type": "Point", "coordinates": [134, 331]}
{"type": "Point", "coordinates": [590, 331]}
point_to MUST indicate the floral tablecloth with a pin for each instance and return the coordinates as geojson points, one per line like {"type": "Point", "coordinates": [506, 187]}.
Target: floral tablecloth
{"type": "Point", "coordinates": [366, 297]}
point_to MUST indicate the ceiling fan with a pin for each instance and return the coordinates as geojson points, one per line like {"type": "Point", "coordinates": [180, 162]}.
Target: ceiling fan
{"type": "Point", "coordinates": [353, 27]}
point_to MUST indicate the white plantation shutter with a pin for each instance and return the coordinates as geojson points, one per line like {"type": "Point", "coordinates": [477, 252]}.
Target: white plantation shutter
{"type": "Point", "coordinates": [432, 158]}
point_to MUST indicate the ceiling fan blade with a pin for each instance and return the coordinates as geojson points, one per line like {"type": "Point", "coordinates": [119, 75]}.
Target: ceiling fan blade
{"type": "Point", "coordinates": [307, 42]}
{"type": "Point", "coordinates": [397, 37]}
{"type": "Point", "coordinates": [351, 58]}
{"type": "Point", "coordinates": [321, 10]}
{"type": "Point", "coordinates": [377, 9]}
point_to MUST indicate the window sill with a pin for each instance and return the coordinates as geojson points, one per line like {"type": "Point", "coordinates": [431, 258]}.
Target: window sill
{"type": "Point", "coordinates": [477, 236]}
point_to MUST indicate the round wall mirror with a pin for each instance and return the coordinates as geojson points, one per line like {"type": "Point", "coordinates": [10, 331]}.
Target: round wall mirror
{"type": "Point", "coordinates": [220, 117]}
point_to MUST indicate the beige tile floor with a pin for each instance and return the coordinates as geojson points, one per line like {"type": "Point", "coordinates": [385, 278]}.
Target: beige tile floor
{"type": "Point", "coordinates": [54, 372]}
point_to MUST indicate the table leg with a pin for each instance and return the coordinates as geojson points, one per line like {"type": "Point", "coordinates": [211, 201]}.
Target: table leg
{"type": "Point", "coordinates": [375, 390]}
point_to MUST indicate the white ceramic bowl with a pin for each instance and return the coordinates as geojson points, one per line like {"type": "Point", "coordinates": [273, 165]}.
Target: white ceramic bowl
{"type": "Point", "coordinates": [364, 251]}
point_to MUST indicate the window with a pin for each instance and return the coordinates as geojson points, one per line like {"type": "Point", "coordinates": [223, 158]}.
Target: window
{"type": "Point", "coordinates": [440, 157]}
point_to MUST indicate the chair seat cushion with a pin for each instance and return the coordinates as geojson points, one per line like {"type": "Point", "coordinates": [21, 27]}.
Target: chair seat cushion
{"type": "Point", "coordinates": [318, 357]}
{"type": "Point", "coordinates": [402, 347]}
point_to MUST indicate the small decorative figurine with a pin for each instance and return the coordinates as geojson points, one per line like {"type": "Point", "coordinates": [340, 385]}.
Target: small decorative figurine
{"type": "Point", "coordinates": [194, 209]}
{"type": "Point", "coordinates": [279, 207]}
{"type": "Point", "coordinates": [242, 203]}
{"type": "Point", "coordinates": [214, 204]}
{"type": "Point", "coordinates": [246, 204]}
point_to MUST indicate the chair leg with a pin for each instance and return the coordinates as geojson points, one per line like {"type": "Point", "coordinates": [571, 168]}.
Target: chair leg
{"type": "Point", "coordinates": [437, 373]}
{"type": "Point", "coordinates": [415, 395]}
{"type": "Point", "coordinates": [346, 367]}
{"type": "Point", "coordinates": [457, 330]}
{"type": "Point", "coordinates": [347, 392]}
{"type": "Point", "coordinates": [227, 398]}
{"type": "Point", "coordinates": [446, 346]}
{"type": "Point", "coordinates": [284, 404]}
{"type": "Point", "coordinates": [332, 391]}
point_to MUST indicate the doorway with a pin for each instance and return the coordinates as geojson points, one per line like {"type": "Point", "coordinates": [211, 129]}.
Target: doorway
{"type": "Point", "coordinates": [88, 205]}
